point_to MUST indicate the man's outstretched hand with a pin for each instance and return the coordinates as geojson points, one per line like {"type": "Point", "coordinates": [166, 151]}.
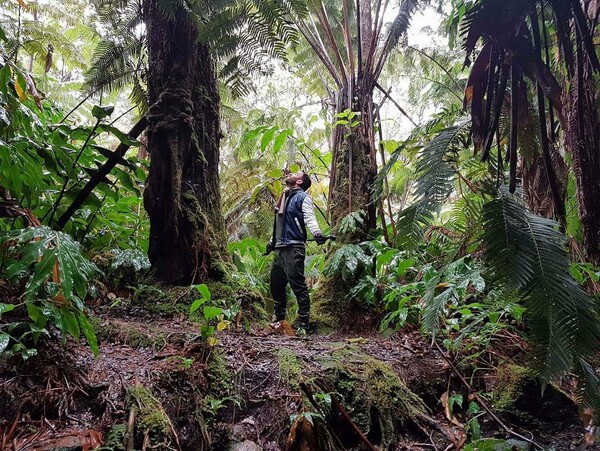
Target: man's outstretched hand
{"type": "Point", "coordinates": [269, 248]}
{"type": "Point", "coordinates": [320, 239]}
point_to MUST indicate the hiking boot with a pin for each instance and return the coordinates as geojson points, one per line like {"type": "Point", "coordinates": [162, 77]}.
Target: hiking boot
{"type": "Point", "coordinates": [301, 329]}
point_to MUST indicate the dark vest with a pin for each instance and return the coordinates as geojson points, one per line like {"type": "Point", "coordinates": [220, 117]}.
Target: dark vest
{"type": "Point", "coordinates": [294, 229]}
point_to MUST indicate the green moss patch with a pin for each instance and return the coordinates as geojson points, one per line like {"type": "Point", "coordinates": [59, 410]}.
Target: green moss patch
{"type": "Point", "coordinates": [130, 334]}
{"type": "Point", "coordinates": [290, 368]}
{"type": "Point", "coordinates": [152, 426]}
{"type": "Point", "coordinates": [373, 394]}
{"type": "Point", "coordinates": [527, 401]}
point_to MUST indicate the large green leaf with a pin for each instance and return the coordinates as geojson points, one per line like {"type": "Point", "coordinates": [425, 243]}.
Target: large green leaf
{"type": "Point", "coordinates": [350, 261]}
{"type": "Point", "coordinates": [40, 251]}
{"type": "Point", "coordinates": [435, 176]}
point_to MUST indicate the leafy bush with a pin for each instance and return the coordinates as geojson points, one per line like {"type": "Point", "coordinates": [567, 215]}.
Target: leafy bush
{"type": "Point", "coordinates": [251, 263]}
{"type": "Point", "coordinates": [350, 261]}
{"type": "Point", "coordinates": [57, 276]}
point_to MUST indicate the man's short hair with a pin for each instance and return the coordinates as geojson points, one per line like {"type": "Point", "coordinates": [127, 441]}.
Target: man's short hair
{"type": "Point", "coordinates": [306, 182]}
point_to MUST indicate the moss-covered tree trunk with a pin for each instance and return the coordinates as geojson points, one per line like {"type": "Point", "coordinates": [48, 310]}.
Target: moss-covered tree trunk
{"type": "Point", "coordinates": [354, 164]}
{"type": "Point", "coordinates": [182, 198]}
{"type": "Point", "coordinates": [354, 169]}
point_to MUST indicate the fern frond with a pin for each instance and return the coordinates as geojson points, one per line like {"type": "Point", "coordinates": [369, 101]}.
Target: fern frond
{"type": "Point", "coordinates": [465, 216]}
{"type": "Point", "coordinates": [400, 24]}
{"type": "Point", "coordinates": [435, 173]}
{"type": "Point", "coordinates": [528, 252]}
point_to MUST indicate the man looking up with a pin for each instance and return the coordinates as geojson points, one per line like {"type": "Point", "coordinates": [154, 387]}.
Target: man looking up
{"type": "Point", "coordinates": [294, 212]}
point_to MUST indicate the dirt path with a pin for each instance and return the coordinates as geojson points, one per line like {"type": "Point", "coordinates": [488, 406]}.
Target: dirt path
{"type": "Point", "coordinates": [156, 384]}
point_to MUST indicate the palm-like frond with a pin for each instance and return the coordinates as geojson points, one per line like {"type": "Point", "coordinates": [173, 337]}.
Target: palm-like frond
{"type": "Point", "coordinates": [412, 222]}
{"type": "Point", "coordinates": [435, 174]}
{"type": "Point", "coordinates": [244, 36]}
{"type": "Point", "coordinates": [400, 24]}
{"type": "Point", "coordinates": [528, 253]}
{"type": "Point", "coordinates": [465, 216]}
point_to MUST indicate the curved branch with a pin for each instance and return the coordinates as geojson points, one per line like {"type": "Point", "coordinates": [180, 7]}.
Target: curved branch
{"type": "Point", "coordinates": [432, 59]}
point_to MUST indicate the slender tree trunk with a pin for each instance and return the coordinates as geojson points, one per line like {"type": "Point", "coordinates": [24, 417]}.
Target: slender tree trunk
{"type": "Point", "coordinates": [187, 234]}
{"type": "Point", "coordinates": [355, 166]}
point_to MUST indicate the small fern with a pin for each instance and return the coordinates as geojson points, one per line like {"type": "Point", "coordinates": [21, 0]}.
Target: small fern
{"type": "Point", "coordinates": [350, 261]}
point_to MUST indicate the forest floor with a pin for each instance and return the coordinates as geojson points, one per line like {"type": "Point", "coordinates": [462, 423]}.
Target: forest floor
{"type": "Point", "coordinates": [157, 385]}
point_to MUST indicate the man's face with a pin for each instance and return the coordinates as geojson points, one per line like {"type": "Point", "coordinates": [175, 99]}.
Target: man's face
{"type": "Point", "coordinates": [294, 179]}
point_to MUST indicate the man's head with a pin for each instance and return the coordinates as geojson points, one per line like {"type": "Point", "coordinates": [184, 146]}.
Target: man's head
{"type": "Point", "coordinates": [298, 179]}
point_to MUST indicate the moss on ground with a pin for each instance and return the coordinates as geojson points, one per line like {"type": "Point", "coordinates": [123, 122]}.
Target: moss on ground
{"type": "Point", "coordinates": [152, 427]}
{"type": "Point", "coordinates": [526, 400]}
{"type": "Point", "coordinates": [116, 331]}
{"type": "Point", "coordinates": [290, 368]}
{"type": "Point", "coordinates": [163, 301]}
{"type": "Point", "coordinates": [115, 437]}
{"type": "Point", "coordinates": [375, 396]}
{"type": "Point", "coordinates": [509, 385]}
{"type": "Point", "coordinates": [220, 378]}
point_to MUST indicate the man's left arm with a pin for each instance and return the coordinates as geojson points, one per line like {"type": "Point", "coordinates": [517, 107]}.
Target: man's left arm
{"type": "Point", "coordinates": [310, 219]}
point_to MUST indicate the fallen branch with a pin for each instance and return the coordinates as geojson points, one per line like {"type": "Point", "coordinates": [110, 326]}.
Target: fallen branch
{"type": "Point", "coordinates": [483, 403]}
{"type": "Point", "coordinates": [99, 175]}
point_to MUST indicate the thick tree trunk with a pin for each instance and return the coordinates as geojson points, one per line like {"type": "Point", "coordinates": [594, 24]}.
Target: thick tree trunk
{"type": "Point", "coordinates": [187, 234]}
{"type": "Point", "coordinates": [582, 139]}
{"type": "Point", "coordinates": [354, 164]}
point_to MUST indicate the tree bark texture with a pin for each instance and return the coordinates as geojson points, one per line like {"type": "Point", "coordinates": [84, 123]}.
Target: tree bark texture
{"type": "Point", "coordinates": [182, 198]}
{"type": "Point", "coordinates": [582, 139]}
{"type": "Point", "coordinates": [537, 186]}
{"type": "Point", "coordinates": [354, 161]}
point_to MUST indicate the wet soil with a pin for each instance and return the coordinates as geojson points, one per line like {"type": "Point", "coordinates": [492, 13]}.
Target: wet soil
{"type": "Point", "coordinates": [245, 393]}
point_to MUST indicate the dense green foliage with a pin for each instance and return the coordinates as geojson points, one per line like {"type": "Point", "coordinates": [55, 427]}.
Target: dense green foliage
{"type": "Point", "coordinates": [465, 247]}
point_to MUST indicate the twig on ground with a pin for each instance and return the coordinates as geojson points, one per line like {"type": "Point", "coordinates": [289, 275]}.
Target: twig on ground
{"type": "Point", "coordinates": [432, 442]}
{"type": "Point", "coordinates": [484, 403]}
{"type": "Point", "coordinates": [11, 431]}
{"type": "Point", "coordinates": [128, 439]}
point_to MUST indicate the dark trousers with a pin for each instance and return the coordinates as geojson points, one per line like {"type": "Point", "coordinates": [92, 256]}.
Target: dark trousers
{"type": "Point", "coordinates": [288, 267]}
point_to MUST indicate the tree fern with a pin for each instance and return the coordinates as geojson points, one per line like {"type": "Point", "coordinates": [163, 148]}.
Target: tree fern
{"type": "Point", "coordinates": [528, 253]}
{"type": "Point", "coordinates": [243, 35]}
{"type": "Point", "coordinates": [400, 24]}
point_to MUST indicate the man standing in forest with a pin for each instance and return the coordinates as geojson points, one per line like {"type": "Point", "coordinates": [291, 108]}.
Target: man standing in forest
{"type": "Point", "coordinates": [294, 212]}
